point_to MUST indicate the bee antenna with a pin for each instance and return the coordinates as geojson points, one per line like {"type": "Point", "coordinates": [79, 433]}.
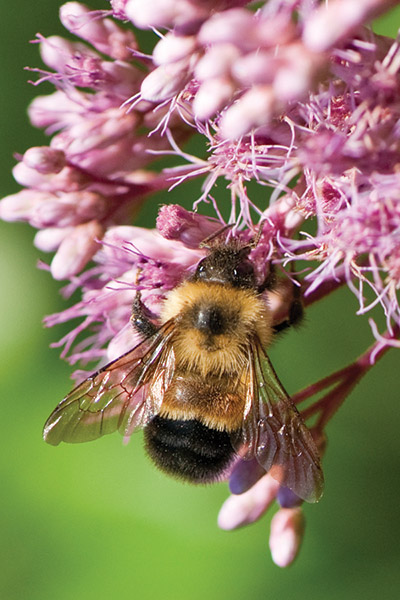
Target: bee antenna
{"type": "Point", "coordinates": [254, 242]}
{"type": "Point", "coordinates": [206, 242]}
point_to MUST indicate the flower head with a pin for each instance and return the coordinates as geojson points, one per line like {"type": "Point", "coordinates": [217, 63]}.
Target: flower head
{"type": "Point", "coordinates": [92, 175]}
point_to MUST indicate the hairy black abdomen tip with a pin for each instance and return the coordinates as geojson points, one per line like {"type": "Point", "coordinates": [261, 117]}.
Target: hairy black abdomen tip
{"type": "Point", "coordinates": [188, 449]}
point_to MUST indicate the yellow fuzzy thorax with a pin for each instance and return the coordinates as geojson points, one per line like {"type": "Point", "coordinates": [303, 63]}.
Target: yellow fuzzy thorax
{"type": "Point", "coordinates": [218, 354]}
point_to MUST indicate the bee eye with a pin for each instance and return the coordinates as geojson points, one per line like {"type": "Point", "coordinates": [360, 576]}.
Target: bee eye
{"type": "Point", "coordinates": [204, 269]}
{"type": "Point", "coordinates": [243, 270]}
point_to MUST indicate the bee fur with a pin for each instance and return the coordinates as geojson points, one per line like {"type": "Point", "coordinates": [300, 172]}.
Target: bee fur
{"type": "Point", "coordinates": [216, 311]}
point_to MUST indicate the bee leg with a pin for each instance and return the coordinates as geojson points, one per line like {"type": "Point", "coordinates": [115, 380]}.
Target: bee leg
{"type": "Point", "coordinates": [270, 281]}
{"type": "Point", "coordinates": [295, 313]}
{"type": "Point", "coordinates": [141, 317]}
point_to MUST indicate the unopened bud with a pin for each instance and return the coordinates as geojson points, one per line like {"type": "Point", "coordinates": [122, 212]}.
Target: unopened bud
{"type": "Point", "coordinates": [212, 95]}
{"type": "Point", "coordinates": [248, 507]}
{"type": "Point", "coordinates": [50, 238]}
{"type": "Point", "coordinates": [287, 530]}
{"type": "Point", "coordinates": [104, 34]}
{"type": "Point", "coordinates": [76, 250]}
{"type": "Point", "coordinates": [256, 107]}
{"type": "Point", "coordinates": [44, 159]}
{"type": "Point", "coordinates": [172, 48]}
{"type": "Point", "coordinates": [176, 223]}
{"type": "Point", "coordinates": [165, 81]}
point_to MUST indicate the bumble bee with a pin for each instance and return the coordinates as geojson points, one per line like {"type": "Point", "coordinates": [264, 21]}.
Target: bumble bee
{"type": "Point", "coordinates": [200, 384]}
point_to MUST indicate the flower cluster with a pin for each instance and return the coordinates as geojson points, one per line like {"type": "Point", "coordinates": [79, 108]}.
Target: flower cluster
{"type": "Point", "coordinates": [93, 173]}
{"type": "Point", "coordinates": [297, 103]}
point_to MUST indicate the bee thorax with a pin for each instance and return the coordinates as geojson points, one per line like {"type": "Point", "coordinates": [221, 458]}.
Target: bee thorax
{"type": "Point", "coordinates": [211, 320]}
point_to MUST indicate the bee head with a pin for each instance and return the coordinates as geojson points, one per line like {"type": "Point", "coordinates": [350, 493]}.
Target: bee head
{"type": "Point", "coordinates": [227, 265]}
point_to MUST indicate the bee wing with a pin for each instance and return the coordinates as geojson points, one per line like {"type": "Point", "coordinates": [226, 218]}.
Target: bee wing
{"type": "Point", "coordinates": [274, 433]}
{"type": "Point", "coordinates": [123, 395]}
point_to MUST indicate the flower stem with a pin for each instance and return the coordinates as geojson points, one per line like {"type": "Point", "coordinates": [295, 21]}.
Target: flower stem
{"type": "Point", "coordinates": [343, 381]}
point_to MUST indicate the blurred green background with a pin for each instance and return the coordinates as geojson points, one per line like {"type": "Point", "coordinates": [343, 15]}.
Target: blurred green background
{"type": "Point", "coordinates": [97, 520]}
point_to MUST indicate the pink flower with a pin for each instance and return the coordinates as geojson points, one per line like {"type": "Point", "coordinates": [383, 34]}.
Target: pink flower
{"type": "Point", "coordinates": [92, 175]}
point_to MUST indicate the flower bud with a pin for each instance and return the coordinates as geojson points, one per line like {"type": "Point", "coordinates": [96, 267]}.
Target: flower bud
{"type": "Point", "coordinates": [212, 96]}
{"type": "Point", "coordinates": [256, 107]}
{"type": "Point", "coordinates": [244, 475]}
{"type": "Point", "coordinates": [67, 179]}
{"type": "Point", "coordinates": [118, 9]}
{"type": "Point", "coordinates": [285, 213]}
{"type": "Point", "coordinates": [276, 31]}
{"type": "Point", "coordinates": [165, 81]}
{"type": "Point", "coordinates": [287, 498]}
{"type": "Point", "coordinates": [49, 239]}
{"type": "Point", "coordinates": [297, 75]}
{"type": "Point", "coordinates": [256, 67]}
{"type": "Point", "coordinates": [176, 223]}
{"type": "Point", "coordinates": [172, 48]}
{"type": "Point", "coordinates": [61, 55]}
{"type": "Point", "coordinates": [76, 250]}
{"type": "Point", "coordinates": [105, 35]}
{"type": "Point", "coordinates": [329, 24]}
{"type": "Point", "coordinates": [234, 26]}
{"type": "Point", "coordinates": [159, 13]}
{"type": "Point", "coordinates": [248, 507]}
{"type": "Point", "coordinates": [20, 206]}
{"type": "Point", "coordinates": [44, 159]}
{"type": "Point", "coordinates": [287, 530]}
{"type": "Point", "coordinates": [218, 61]}
{"type": "Point", "coordinates": [55, 109]}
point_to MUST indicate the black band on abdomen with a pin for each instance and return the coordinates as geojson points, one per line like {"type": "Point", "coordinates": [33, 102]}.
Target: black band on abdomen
{"type": "Point", "coordinates": [188, 449]}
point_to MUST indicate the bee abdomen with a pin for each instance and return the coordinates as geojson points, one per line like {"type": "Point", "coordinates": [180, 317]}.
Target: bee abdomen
{"type": "Point", "coordinates": [188, 449]}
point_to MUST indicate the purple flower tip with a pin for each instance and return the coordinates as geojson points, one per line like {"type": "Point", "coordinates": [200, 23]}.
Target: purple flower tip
{"type": "Point", "coordinates": [287, 498]}
{"type": "Point", "coordinates": [244, 475]}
